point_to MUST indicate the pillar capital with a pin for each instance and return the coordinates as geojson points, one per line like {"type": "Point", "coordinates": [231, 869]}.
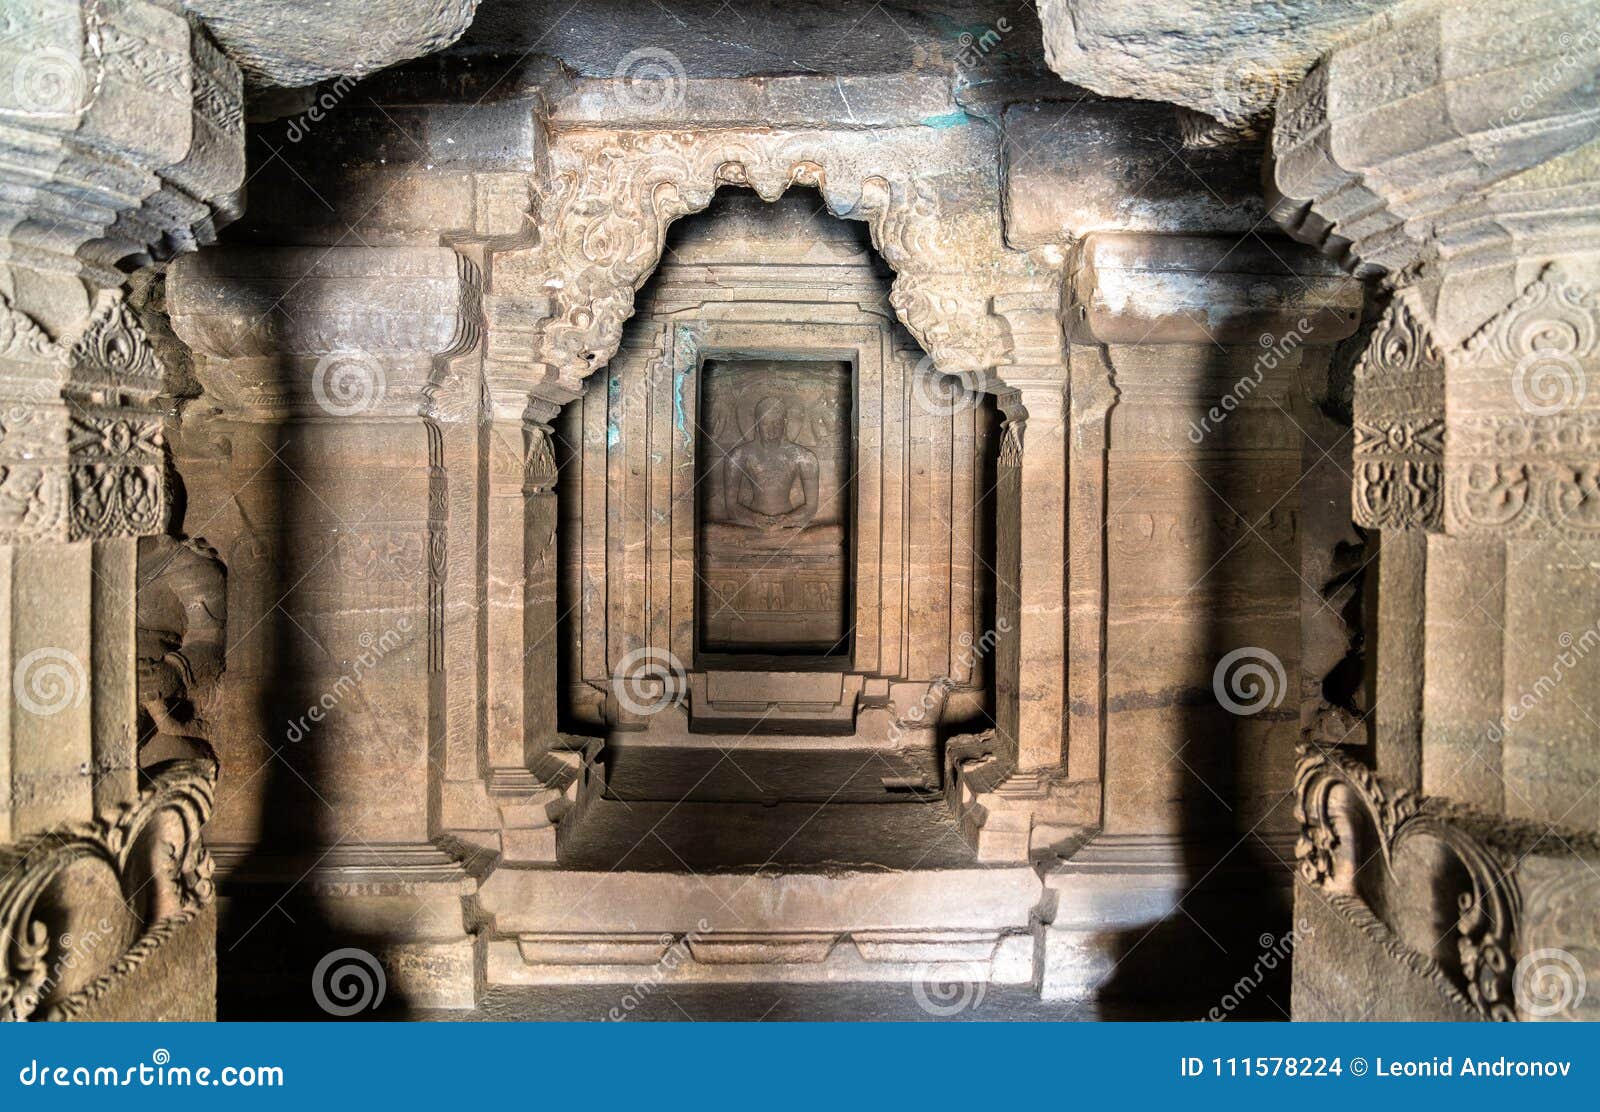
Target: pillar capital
{"type": "Point", "coordinates": [124, 132]}
{"type": "Point", "coordinates": [310, 333]}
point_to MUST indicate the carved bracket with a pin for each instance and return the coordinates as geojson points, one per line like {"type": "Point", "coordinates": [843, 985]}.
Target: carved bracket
{"type": "Point", "coordinates": [1413, 875]}
{"type": "Point", "coordinates": [127, 872]}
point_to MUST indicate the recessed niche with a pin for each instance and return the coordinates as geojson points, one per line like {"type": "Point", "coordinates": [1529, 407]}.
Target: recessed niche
{"type": "Point", "coordinates": [774, 452]}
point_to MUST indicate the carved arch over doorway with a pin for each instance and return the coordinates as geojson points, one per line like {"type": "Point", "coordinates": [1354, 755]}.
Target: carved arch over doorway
{"type": "Point", "coordinates": [561, 294]}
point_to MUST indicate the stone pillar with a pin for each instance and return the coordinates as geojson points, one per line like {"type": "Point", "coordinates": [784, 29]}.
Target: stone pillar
{"type": "Point", "coordinates": [526, 771]}
{"type": "Point", "coordinates": [1037, 794]}
{"type": "Point", "coordinates": [1459, 183]}
{"type": "Point", "coordinates": [105, 164]}
{"type": "Point", "coordinates": [1035, 446]}
{"type": "Point", "coordinates": [318, 454]}
{"type": "Point", "coordinates": [1206, 343]}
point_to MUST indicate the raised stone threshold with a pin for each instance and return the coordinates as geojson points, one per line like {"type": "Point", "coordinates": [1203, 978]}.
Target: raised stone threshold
{"type": "Point", "coordinates": [974, 924]}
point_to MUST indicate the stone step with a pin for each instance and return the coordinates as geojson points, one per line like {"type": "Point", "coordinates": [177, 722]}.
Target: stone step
{"type": "Point", "coordinates": [586, 926]}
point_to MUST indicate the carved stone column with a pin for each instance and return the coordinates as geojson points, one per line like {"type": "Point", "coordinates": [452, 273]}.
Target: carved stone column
{"type": "Point", "coordinates": [1191, 352]}
{"type": "Point", "coordinates": [318, 454]}
{"type": "Point", "coordinates": [1463, 183]}
{"type": "Point", "coordinates": [1037, 793]}
{"type": "Point", "coordinates": [524, 778]}
{"type": "Point", "coordinates": [122, 138]}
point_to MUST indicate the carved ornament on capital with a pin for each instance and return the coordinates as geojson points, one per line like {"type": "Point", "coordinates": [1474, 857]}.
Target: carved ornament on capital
{"type": "Point", "coordinates": [1524, 454]}
{"type": "Point", "coordinates": [1398, 428]}
{"type": "Point", "coordinates": [81, 452]}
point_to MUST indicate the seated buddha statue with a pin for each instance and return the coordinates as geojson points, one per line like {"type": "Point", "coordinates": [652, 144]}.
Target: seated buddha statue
{"type": "Point", "coordinates": [762, 474]}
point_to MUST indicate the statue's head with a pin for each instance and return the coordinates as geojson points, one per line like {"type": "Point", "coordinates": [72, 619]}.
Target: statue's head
{"type": "Point", "coordinates": [772, 420]}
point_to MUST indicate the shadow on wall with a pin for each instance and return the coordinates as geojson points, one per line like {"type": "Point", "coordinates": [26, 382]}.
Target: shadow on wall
{"type": "Point", "coordinates": [1208, 782]}
{"type": "Point", "coordinates": [280, 953]}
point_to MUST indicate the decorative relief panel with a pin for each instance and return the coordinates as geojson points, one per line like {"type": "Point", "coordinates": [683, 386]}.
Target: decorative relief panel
{"type": "Point", "coordinates": [603, 215]}
{"type": "Point", "coordinates": [81, 454]}
{"type": "Point", "coordinates": [1524, 451]}
{"type": "Point", "coordinates": [1399, 424]}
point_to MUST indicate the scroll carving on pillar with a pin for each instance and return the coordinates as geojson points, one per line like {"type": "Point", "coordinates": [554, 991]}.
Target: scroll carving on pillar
{"type": "Point", "coordinates": [1371, 852]}
{"type": "Point", "coordinates": [1399, 424]}
{"type": "Point", "coordinates": [602, 221]}
{"type": "Point", "coordinates": [1529, 462]}
{"type": "Point", "coordinates": [82, 906]}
